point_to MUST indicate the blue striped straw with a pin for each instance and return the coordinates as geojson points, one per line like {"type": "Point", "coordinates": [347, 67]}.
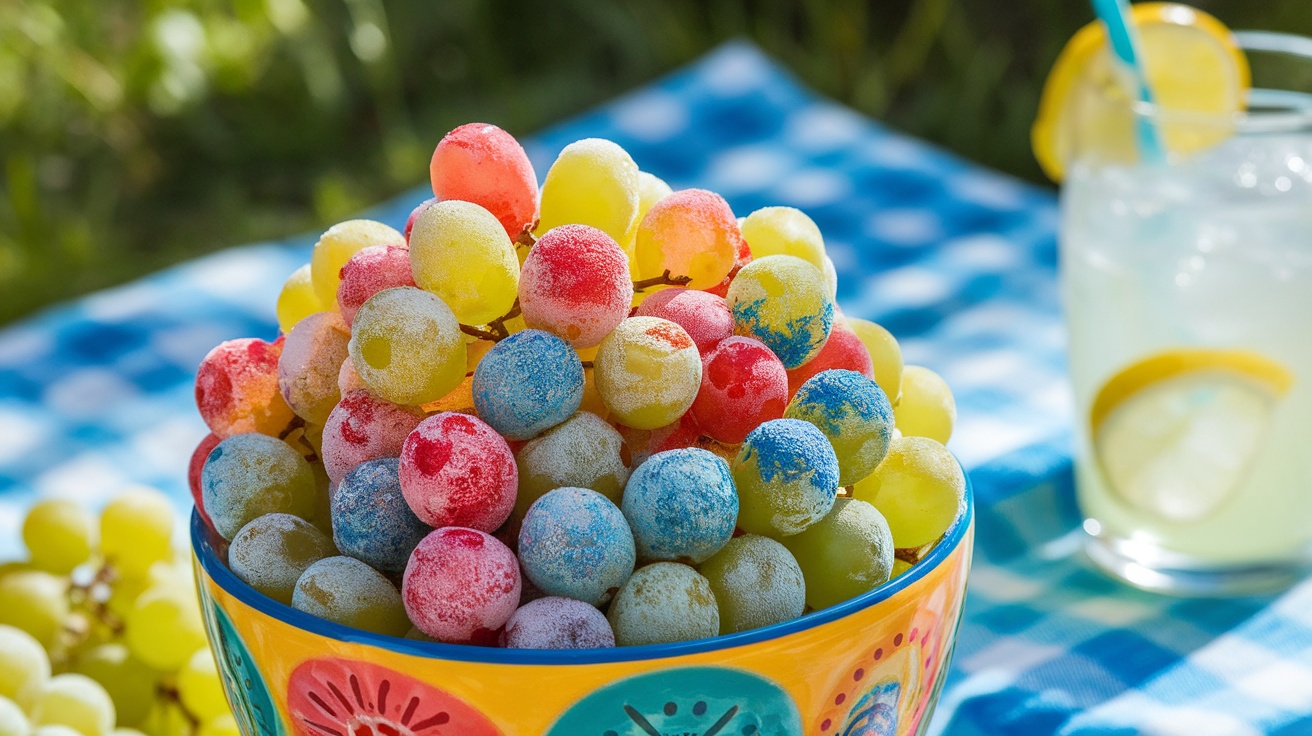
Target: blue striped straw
{"type": "Point", "coordinates": [1124, 36]}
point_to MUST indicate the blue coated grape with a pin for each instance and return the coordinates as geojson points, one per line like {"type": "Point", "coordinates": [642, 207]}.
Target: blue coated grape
{"type": "Point", "coordinates": [853, 412]}
{"type": "Point", "coordinates": [575, 543]}
{"type": "Point", "coordinates": [681, 505]}
{"type": "Point", "coordinates": [371, 520]}
{"type": "Point", "coordinates": [527, 384]}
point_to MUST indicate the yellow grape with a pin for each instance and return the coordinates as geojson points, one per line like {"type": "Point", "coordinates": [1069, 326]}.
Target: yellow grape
{"type": "Point", "coordinates": [927, 408]}
{"type": "Point", "coordinates": [885, 354]}
{"type": "Point", "coordinates": [76, 701]}
{"type": "Point", "coordinates": [648, 372]}
{"type": "Point", "coordinates": [783, 302]}
{"type": "Point", "coordinates": [224, 725]}
{"type": "Point", "coordinates": [831, 277]}
{"type": "Point", "coordinates": [164, 628]}
{"type": "Point", "coordinates": [651, 189]}
{"type": "Point", "coordinates": [59, 534]}
{"type": "Point", "coordinates": [13, 721]}
{"type": "Point", "coordinates": [166, 718]}
{"type": "Point", "coordinates": [24, 665]}
{"type": "Point", "coordinates": [899, 567]}
{"type": "Point", "coordinates": [335, 248]}
{"type": "Point", "coordinates": [136, 531]}
{"type": "Point", "coordinates": [36, 602]}
{"type": "Point", "coordinates": [126, 732]}
{"type": "Point", "coordinates": [407, 346]}
{"type": "Point", "coordinates": [199, 687]}
{"type": "Point", "coordinates": [460, 252]}
{"type": "Point", "coordinates": [592, 182]}
{"type": "Point", "coordinates": [784, 231]}
{"type": "Point", "coordinates": [919, 488]}
{"type": "Point", "coordinates": [298, 300]}
{"type": "Point", "coordinates": [129, 682]}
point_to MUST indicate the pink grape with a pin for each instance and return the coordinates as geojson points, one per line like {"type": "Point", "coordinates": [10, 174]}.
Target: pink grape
{"type": "Point", "coordinates": [457, 471]}
{"type": "Point", "coordinates": [743, 385]}
{"type": "Point", "coordinates": [310, 362]}
{"type": "Point", "coordinates": [237, 388]}
{"type": "Point", "coordinates": [575, 284]}
{"type": "Point", "coordinates": [370, 271]}
{"type": "Point", "coordinates": [690, 233]}
{"type": "Point", "coordinates": [364, 427]}
{"type": "Point", "coordinates": [461, 586]}
{"type": "Point", "coordinates": [704, 316]}
{"type": "Point", "coordinates": [484, 164]}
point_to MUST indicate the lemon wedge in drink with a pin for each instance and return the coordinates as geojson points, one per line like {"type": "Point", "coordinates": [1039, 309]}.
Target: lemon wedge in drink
{"type": "Point", "coordinates": [1193, 66]}
{"type": "Point", "coordinates": [1176, 433]}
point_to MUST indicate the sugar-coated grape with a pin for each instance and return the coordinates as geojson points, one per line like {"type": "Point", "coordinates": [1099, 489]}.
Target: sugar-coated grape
{"type": "Point", "coordinates": [582, 452]}
{"type": "Point", "coordinates": [461, 586]}
{"type": "Point", "coordinates": [592, 182]}
{"type": "Point", "coordinates": [129, 682]}
{"type": "Point", "coordinates": [24, 665]}
{"type": "Point", "coordinates": [457, 471]}
{"type": "Point", "coordinates": [194, 468]}
{"type": "Point", "coordinates": [741, 259]}
{"type": "Point", "coordinates": [528, 383]}
{"type": "Point", "coordinates": [370, 271]}
{"type": "Point", "coordinates": [885, 355]}
{"type": "Point", "coordinates": [784, 231]}
{"type": "Point", "coordinates": [371, 520]}
{"type": "Point", "coordinates": [414, 215]}
{"type": "Point", "coordinates": [272, 551]}
{"type": "Point", "coordinates": [237, 388]}
{"type": "Point", "coordinates": [787, 478]}
{"type": "Point", "coordinates": [756, 583]}
{"type": "Point", "coordinates": [575, 543]}
{"type": "Point", "coordinates": [199, 687]}
{"type": "Point", "coordinates": [349, 592]}
{"type": "Point", "coordinates": [136, 529]}
{"type": "Point", "coordinates": [690, 233]}
{"type": "Point", "coordinates": [681, 505]}
{"type": "Point", "coordinates": [831, 277]}
{"type": "Point", "coordinates": [59, 534]}
{"type": "Point", "coordinates": [927, 408]}
{"type": "Point", "coordinates": [704, 316]}
{"type": "Point", "coordinates": [364, 427]}
{"type": "Point", "coordinates": [651, 189]}
{"type": "Point", "coordinates": [76, 701]}
{"type": "Point", "coordinates": [853, 412]}
{"type": "Point", "coordinates": [662, 603]}
{"type": "Point", "coordinates": [783, 302]}
{"type": "Point", "coordinates": [311, 360]}
{"type": "Point", "coordinates": [843, 350]}
{"type": "Point", "coordinates": [743, 385]}
{"type": "Point", "coordinates": [336, 246]}
{"type": "Point", "coordinates": [461, 399]}
{"type": "Point", "coordinates": [13, 721]}
{"type": "Point", "coordinates": [845, 554]}
{"type": "Point", "coordinates": [36, 602]}
{"type": "Point", "coordinates": [460, 252]}
{"type": "Point", "coordinates": [297, 300]}
{"type": "Point", "coordinates": [576, 284]}
{"type": "Point", "coordinates": [484, 164]}
{"type": "Point", "coordinates": [648, 371]}
{"type": "Point", "coordinates": [407, 346]}
{"type": "Point", "coordinates": [249, 475]}
{"type": "Point", "coordinates": [643, 443]}
{"type": "Point", "coordinates": [919, 488]}
{"type": "Point", "coordinates": [558, 623]}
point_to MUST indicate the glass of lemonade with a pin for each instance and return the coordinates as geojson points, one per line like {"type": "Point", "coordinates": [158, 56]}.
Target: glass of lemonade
{"type": "Point", "coordinates": [1188, 290]}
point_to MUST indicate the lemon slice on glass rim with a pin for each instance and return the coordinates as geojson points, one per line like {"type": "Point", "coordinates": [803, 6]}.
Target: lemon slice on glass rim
{"type": "Point", "coordinates": [1192, 63]}
{"type": "Point", "coordinates": [1176, 433]}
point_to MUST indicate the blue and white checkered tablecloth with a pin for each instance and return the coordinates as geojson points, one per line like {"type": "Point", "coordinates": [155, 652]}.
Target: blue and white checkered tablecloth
{"type": "Point", "coordinates": [957, 261]}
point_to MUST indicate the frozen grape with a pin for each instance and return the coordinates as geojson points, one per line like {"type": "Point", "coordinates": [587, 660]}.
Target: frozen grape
{"type": "Point", "coordinates": [36, 602]}
{"type": "Point", "coordinates": [460, 252]}
{"type": "Point", "coordinates": [194, 468]}
{"type": "Point", "coordinates": [662, 603]}
{"type": "Point", "coordinates": [787, 478]}
{"type": "Point", "coordinates": [853, 412]}
{"type": "Point", "coordinates": [843, 350]}
{"type": "Point", "coordinates": [407, 346]}
{"type": "Point", "coordinates": [704, 316]}
{"type": "Point", "coordinates": [643, 443]}
{"type": "Point", "coordinates": [336, 246]}
{"type": "Point", "coordinates": [756, 583]}
{"type": "Point", "coordinates": [592, 182]}
{"type": "Point", "coordinates": [371, 520]}
{"type": "Point", "coordinates": [24, 665]}
{"type": "Point", "coordinates": [681, 505]}
{"type": "Point", "coordinates": [558, 623]}
{"type": "Point", "coordinates": [59, 534]}
{"type": "Point", "coordinates": [414, 215]}
{"type": "Point", "coordinates": [648, 371]}
{"type": "Point", "coordinates": [582, 452]}
{"type": "Point", "coordinates": [690, 233]}
{"type": "Point", "coordinates": [651, 189]}
{"type": "Point", "coordinates": [741, 259]}
{"type": "Point", "coordinates": [575, 543]}
{"type": "Point", "coordinates": [136, 530]}
{"type": "Point", "coordinates": [484, 164]}
{"type": "Point", "coordinates": [919, 488]}
{"type": "Point", "coordinates": [461, 586]}
{"type": "Point", "coordinates": [885, 355]}
{"type": "Point", "coordinates": [297, 300]}
{"type": "Point", "coordinates": [576, 284]}
{"type": "Point", "coordinates": [743, 385]}
{"type": "Point", "coordinates": [527, 384]}
{"type": "Point", "coordinates": [370, 271]}
{"type": "Point", "coordinates": [831, 277]}
{"type": "Point", "coordinates": [76, 701]}
{"type": "Point", "coordinates": [129, 682]}
{"type": "Point", "coordinates": [237, 388]}
{"type": "Point", "coordinates": [926, 408]}
{"type": "Point", "coordinates": [457, 471]}
{"type": "Point", "coordinates": [845, 554]}
{"type": "Point", "coordinates": [364, 427]}
{"type": "Point", "coordinates": [784, 231]}
{"type": "Point", "coordinates": [270, 553]}
{"type": "Point", "coordinates": [311, 360]}
{"type": "Point", "coordinates": [249, 475]}
{"type": "Point", "coordinates": [783, 302]}
{"type": "Point", "coordinates": [349, 592]}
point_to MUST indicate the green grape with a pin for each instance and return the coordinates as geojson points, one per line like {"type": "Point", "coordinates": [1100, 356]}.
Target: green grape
{"type": "Point", "coordinates": [349, 592]}
{"type": "Point", "coordinates": [899, 567]}
{"type": "Point", "coordinates": [59, 534]}
{"type": "Point", "coordinates": [123, 594]}
{"type": "Point", "coordinates": [76, 701]}
{"type": "Point", "coordinates": [36, 602]}
{"type": "Point", "coordinates": [919, 488]}
{"type": "Point", "coordinates": [54, 729]}
{"type": "Point", "coordinates": [298, 300]}
{"type": "Point", "coordinates": [224, 725]}
{"type": "Point", "coordinates": [784, 231]}
{"type": "Point", "coordinates": [24, 665]}
{"type": "Point", "coordinates": [460, 252]}
{"type": "Point", "coordinates": [127, 732]}
{"type": "Point", "coordinates": [783, 302]}
{"type": "Point", "coordinates": [129, 682]}
{"type": "Point", "coordinates": [200, 688]}
{"type": "Point", "coordinates": [885, 354]}
{"type": "Point", "coordinates": [581, 452]}
{"type": "Point", "coordinates": [407, 347]}
{"type": "Point", "coordinates": [845, 554]}
{"type": "Point", "coordinates": [249, 475]}
{"type": "Point", "coordinates": [166, 718]}
{"type": "Point", "coordinates": [592, 182]}
{"type": "Point", "coordinates": [164, 628]}
{"type": "Point", "coordinates": [662, 603]}
{"type": "Point", "coordinates": [136, 531]}
{"type": "Point", "coordinates": [927, 408]}
{"type": "Point", "coordinates": [336, 246]}
{"type": "Point", "coordinates": [13, 722]}
{"type": "Point", "coordinates": [272, 552]}
{"type": "Point", "coordinates": [756, 583]}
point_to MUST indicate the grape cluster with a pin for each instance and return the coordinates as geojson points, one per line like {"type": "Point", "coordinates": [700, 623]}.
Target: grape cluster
{"type": "Point", "coordinates": [100, 629]}
{"type": "Point", "coordinates": [599, 413]}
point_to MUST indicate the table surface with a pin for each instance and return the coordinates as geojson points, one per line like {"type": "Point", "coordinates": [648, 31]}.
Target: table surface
{"type": "Point", "coordinates": [957, 261]}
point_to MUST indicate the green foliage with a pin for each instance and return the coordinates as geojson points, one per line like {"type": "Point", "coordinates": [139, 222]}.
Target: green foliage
{"type": "Point", "coordinates": [136, 133]}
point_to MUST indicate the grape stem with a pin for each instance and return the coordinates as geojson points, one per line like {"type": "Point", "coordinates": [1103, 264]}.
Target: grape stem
{"type": "Point", "coordinates": [526, 238]}
{"type": "Point", "coordinates": [665, 279]}
{"type": "Point", "coordinates": [496, 329]}
{"type": "Point", "coordinates": [304, 441]}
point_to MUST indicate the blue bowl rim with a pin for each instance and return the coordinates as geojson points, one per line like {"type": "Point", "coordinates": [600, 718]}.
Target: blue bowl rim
{"type": "Point", "coordinates": [210, 561]}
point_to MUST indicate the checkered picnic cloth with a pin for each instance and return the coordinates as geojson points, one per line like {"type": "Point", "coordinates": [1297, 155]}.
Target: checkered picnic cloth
{"type": "Point", "coordinates": [957, 261]}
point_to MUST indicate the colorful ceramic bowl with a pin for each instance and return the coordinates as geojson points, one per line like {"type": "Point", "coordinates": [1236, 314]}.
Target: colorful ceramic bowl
{"type": "Point", "coordinates": [872, 665]}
